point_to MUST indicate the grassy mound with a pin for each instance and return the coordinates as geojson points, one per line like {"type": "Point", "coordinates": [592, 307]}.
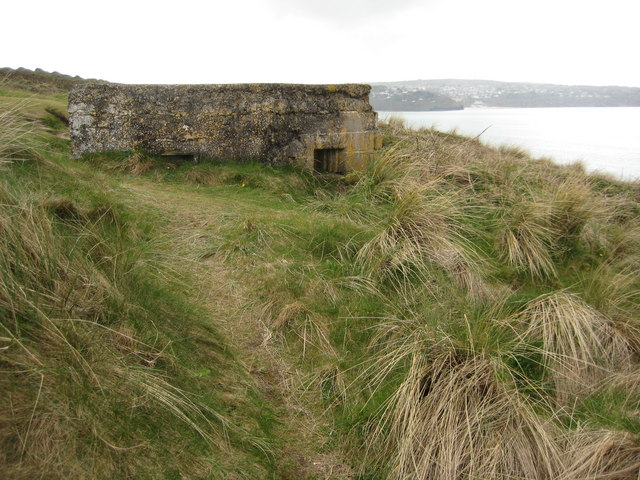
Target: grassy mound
{"type": "Point", "coordinates": [455, 311]}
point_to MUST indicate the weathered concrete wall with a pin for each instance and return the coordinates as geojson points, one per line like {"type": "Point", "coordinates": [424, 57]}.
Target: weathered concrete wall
{"type": "Point", "coordinates": [271, 123]}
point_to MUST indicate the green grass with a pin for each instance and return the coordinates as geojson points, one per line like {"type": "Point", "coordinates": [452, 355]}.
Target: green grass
{"type": "Point", "coordinates": [104, 355]}
{"type": "Point", "coordinates": [454, 311]}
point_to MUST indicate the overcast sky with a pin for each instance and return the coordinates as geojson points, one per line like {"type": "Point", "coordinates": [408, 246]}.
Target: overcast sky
{"type": "Point", "coordinates": [326, 41]}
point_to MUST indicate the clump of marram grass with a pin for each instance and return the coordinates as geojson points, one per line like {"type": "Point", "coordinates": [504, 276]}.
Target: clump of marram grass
{"type": "Point", "coordinates": [438, 155]}
{"type": "Point", "coordinates": [454, 419]}
{"type": "Point", "coordinates": [612, 289]}
{"type": "Point", "coordinates": [456, 413]}
{"type": "Point", "coordinates": [423, 230]}
{"type": "Point", "coordinates": [387, 174]}
{"type": "Point", "coordinates": [527, 239]}
{"type": "Point", "coordinates": [615, 233]}
{"type": "Point", "coordinates": [580, 346]}
{"type": "Point", "coordinates": [394, 126]}
{"type": "Point", "coordinates": [574, 206]}
{"type": "Point", "coordinates": [463, 407]}
{"type": "Point", "coordinates": [537, 230]}
{"type": "Point", "coordinates": [137, 163]}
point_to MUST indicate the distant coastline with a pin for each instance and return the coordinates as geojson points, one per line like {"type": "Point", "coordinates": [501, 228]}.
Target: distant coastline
{"type": "Point", "coordinates": [436, 95]}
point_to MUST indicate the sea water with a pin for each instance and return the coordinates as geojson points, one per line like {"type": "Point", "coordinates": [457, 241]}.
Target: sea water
{"type": "Point", "coordinates": [603, 139]}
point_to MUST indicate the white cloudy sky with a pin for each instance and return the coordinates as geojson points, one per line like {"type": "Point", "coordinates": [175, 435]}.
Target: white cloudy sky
{"type": "Point", "coordinates": [326, 41]}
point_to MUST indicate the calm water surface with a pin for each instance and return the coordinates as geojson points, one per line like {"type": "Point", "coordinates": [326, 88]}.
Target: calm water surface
{"type": "Point", "coordinates": [604, 139]}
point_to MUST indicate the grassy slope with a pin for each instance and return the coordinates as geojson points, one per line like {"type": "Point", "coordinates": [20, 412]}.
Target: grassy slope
{"type": "Point", "coordinates": [456, 311]}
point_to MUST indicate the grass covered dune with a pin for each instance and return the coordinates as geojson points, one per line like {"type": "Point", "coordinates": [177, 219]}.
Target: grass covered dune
{"type": "Point", "coordinates": [455, 311]}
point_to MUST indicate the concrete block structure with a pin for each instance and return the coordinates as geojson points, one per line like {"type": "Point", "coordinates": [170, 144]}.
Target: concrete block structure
{"type": "Point", "coordinates": [330, 128]}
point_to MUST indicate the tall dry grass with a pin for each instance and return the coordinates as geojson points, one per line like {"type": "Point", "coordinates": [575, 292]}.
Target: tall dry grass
{"type": "Point", "coordinates": [16, 137]}
{"type": "Point", "coordinates": [425, 228]}
{"type": "Point", "coordinates": [580, 347]}
{"type": "Point", "coordinates": [527, 240]}
{"type": "Point", "coordinates": [463, 409]}
{"type": "Point", "coordinates": [456, 413]}
{"type": "Point", "coordinates": [487, 396]}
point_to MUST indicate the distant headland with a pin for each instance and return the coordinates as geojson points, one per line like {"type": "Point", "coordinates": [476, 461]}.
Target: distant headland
{"type": "Point", "coordinates": [451, 94]}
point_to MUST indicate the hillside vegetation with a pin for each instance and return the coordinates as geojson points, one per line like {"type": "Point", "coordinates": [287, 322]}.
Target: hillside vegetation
{"type": "Point", "coordinates": [453, 312]}
{"type": "Point", "coordinates": [38, 81]}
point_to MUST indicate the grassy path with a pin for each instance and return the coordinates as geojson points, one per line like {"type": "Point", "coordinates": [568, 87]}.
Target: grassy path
{"type": "Point", "coordinates": [193, 220]}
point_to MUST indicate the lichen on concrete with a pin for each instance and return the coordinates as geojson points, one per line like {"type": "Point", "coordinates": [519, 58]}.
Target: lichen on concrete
{"type": "Point", "coordinates": [271, 123]}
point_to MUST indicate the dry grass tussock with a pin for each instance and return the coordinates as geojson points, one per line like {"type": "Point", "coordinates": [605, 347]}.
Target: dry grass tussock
{"type": "Point", "coordinates": [137, 164]}
{"type": "Point", "coordinates": [455, 415]}
{"type": "Point", "coordinates": [458, 411]}
{"type": "Point", "coordinates": [537, 229]}
{"type": "Point", "coordinates": [528, 237]}
{"type": "Point", "coordinates": [425, 228]}
{"type": "Point", "coordinates": [580, 346]}
{"type": "Point", "coordinates": [390, 174]}
{"type": "Point", "coordinates": [454, 419]}
{"type": "Point", "coordinates": [612, 290]}
{"type": "Point", "coordinates": [436, 155]}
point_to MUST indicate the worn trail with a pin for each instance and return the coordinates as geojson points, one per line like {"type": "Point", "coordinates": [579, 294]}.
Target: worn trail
{"type": "Point", "coordinates": [192, 221]}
